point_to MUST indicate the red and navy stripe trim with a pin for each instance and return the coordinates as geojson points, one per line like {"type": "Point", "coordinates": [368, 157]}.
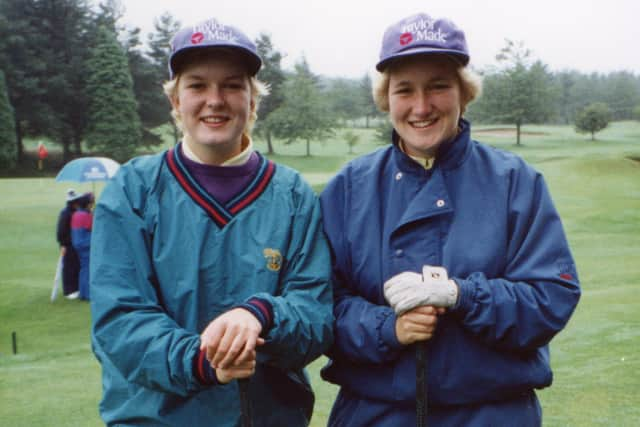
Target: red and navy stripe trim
{"type": "Point", "coordinates": [263, 311]}
{"type": "Point", "coordinates": [253, 190]}
{"type": "Point", "coordinates": [197, 193]}
{"type": "Point", "coordinates": [203, 370]}
{"type": "Point", "coordinates": [220, 214]}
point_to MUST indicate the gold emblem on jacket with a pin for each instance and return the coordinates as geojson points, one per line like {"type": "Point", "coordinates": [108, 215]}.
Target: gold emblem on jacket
{"type": "Point", "coordinates": [274, 259]}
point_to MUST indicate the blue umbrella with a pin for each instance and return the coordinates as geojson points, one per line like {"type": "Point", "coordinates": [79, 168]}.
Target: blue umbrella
{"type": "Point", "coordinates": [88, 169]}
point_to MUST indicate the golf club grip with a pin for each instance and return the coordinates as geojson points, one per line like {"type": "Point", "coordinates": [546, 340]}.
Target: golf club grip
{"type": "Point", "coordinates": [245, 403]}
{"type": "Point", "coordinates": [421, 384]}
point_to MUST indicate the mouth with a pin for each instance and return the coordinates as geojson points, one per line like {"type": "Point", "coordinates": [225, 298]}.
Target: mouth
{"type": "Point", "coordinates": [214, 120]}
{"type": "Point", "coordinates": [422, 124]}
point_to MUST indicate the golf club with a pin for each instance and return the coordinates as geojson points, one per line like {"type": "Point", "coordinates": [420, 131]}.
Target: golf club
{"type": "Point", "coordinates": [245, 403]}
{"type": "Point", "coordinates": [56, 279]}
{"type": "Point", "coordinates": [421, 384]}
{"type": "Point", "coordinates": [422, 359]}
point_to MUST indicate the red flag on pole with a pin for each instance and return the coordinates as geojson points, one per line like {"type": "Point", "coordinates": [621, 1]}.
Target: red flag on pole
{"type": "Point", "coordinates": [42, 151]}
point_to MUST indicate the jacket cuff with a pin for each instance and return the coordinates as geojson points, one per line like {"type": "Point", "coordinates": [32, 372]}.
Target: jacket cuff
{"type": "Point", "coordinates": [263, 310]}
{"type": "Point", "coordinates": [466, 295]}
{"type": "Point", "coordinates": [205, 374]}
{"type": "Point", "coordinates": [388, 331]}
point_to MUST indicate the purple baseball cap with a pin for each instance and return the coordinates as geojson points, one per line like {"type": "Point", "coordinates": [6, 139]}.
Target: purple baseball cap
{"type": "Point", "coordinates": [210, 34]}
{"type": "Point", "coordinates": [422, 34]}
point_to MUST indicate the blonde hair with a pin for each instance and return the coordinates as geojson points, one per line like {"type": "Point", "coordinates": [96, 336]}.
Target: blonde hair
{"type": "Point", "coordinates": [258, 91]}
{"type": "Point", "coordinates": [470, 86]}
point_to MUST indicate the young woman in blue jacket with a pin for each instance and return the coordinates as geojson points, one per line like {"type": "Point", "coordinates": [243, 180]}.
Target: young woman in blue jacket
{"type": "Point", "coordinates": [440, 241]}
{"type": "Point", "coordinates": [208, 261]}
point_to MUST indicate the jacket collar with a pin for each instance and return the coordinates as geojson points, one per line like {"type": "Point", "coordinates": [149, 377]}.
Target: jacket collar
{"type": "Point", "coordinates": [450, 154]}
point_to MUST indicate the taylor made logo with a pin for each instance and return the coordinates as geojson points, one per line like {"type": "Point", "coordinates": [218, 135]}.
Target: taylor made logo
{"type": "Point", "coordinates": [212, 30]}
{"type": "Point", "coordinates": [95, 173]}
{"type": "Point", "coordinates": [405, 38]}
{"type": "Point", "coordinates": [422, 30]}
{"type": "Point", "coordinates": [197, 38]}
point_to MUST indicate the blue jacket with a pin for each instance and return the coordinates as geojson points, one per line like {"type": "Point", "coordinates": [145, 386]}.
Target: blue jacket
{"type": "Point", "coordinates": [166, 259]}
{"type": "Point", "coordinates": [487, 217]}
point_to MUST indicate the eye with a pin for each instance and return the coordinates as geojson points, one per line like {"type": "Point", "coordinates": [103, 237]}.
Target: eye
{"type": "Point", "coordinates": [441, 85]}
{"type": "Point", "coordinates": [402, 90]}
{"type": "Point", "coordinates": [195, 86]}
{"type": "Point", "coordinates": [234, 85]}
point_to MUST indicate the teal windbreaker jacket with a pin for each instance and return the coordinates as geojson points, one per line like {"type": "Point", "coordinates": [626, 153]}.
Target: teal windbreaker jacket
{"type": "Point", "coordinates": [166, 259]}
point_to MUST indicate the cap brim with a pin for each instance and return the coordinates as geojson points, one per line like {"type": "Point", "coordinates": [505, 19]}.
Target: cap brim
{"type": "Point", "coordinates": [252, 61]}
{"type": "Point", "coordinates": [461, 56]}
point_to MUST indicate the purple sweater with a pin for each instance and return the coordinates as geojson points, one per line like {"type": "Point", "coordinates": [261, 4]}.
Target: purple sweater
{"type": "Point", "coordinates": [222, 182]}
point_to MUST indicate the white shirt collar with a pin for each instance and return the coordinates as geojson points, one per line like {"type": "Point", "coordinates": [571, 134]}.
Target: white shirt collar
{"type": "Point", "coordinates": [237, 160]}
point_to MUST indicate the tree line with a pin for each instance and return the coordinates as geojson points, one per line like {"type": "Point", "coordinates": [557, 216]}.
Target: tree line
{"type": "Point", "coordinates": [520, 89]}
{"type": "Point", "coordinates": [72, 74]}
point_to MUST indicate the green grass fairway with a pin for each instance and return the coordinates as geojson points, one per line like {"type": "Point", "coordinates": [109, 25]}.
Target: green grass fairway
{"type": "Point", "coordinates": [54, 380]}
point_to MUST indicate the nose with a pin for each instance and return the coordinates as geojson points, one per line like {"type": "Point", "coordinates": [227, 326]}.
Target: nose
{"type": "Point", "coordinates": [215, 97]}
{"type": "Point", "coordinates": [422, 104]}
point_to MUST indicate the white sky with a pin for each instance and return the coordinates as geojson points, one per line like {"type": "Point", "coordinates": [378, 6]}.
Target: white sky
{"type": "Point", "coordinates": [342, 37]}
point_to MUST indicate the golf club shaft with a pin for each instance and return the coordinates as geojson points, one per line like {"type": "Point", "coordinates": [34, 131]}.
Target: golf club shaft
{"type": "Point", "coordinates": [245, 403]}
{"type": "Point", "coordinates": [421, 384]}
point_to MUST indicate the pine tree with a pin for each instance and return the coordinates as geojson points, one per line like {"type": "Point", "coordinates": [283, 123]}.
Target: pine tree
{"type": "Point", "coordinates": [66, 25]}
{"type": "Point", "coordinates": [304, 114]}
{"type": "Point", "coordinates": [272, 74]}
{"type": "Point", "coordinates": [159, 51]}
{"type": "Point", "coordinates": [367, 106]}
{"type": "Point", "coordinates": [165, 26]}
{"type": "Point", "coordinates": [23, 65]}
{"type": "Point", "coordinates": [113, 125]}
{"type": "Point", "coordinates": [7, 128]}
{"type": "Point", "coordinates": [42, 48]}
{"type": "Point", "coordinates": [153, 108]}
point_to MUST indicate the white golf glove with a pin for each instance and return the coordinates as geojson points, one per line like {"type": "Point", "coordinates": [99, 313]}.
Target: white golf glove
{"type": "Point", "coordinates": [408, 290]}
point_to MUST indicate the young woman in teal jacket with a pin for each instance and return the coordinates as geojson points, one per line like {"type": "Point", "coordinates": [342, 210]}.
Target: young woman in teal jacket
{"type": "Point", "coordinates": [209, 264]}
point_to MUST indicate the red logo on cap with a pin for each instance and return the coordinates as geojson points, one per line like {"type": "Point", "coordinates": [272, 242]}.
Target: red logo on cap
{"type": "Point", "coordinates": [405, 38]}
{"type": "Point", "coordinates": [197, 38]}
{"type": "Point", "coordinates": [566, 276]}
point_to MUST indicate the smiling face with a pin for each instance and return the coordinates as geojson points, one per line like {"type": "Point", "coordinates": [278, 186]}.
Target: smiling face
{"type": "Point", "coordinates": [424, 102]}
{"type": "Point", "coordinates": [213, 101]}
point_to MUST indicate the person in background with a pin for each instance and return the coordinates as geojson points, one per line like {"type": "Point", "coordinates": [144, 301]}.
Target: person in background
{"type": "Point", "coordinates": [81, 225]}
{"type": "Point", "coordinates": [442, 241]}
{"type": "Point", "coordinates": [210, 270]}
{"type": "Point", "coordinates": [70, 262]}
